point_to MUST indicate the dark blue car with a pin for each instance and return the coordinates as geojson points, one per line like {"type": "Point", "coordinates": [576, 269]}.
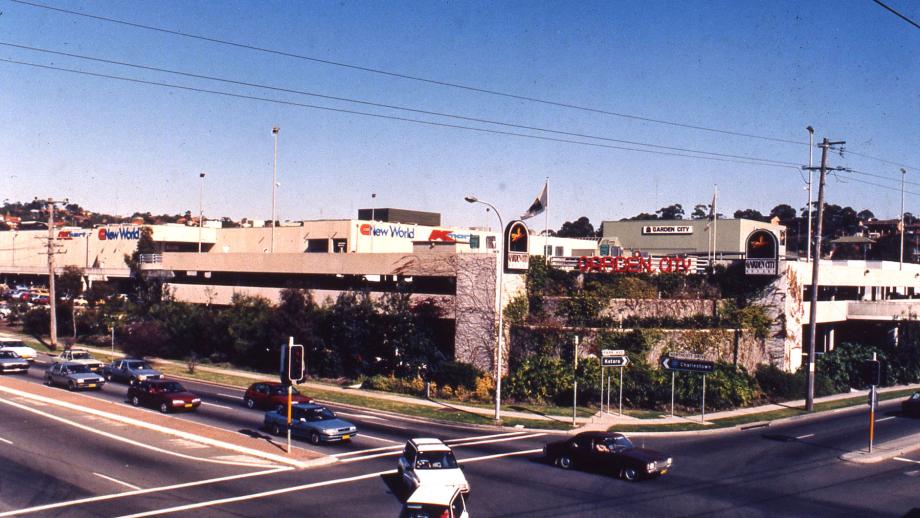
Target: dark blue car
{"type": "Point", "coordinates": [314, 422]}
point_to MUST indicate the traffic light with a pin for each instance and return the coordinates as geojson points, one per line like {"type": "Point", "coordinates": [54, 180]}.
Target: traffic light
{"type": "Point", "coordinates": [292, 363]}
{"type": "Point", "coordinates": [872, 372]}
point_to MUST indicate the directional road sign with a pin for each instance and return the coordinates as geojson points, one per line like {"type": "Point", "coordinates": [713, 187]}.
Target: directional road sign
{"type": "Point", "coordinates": [614, 361]}
{"type": "Point", "coordinates": [613, 352]}
{"type": "Point", "coordinates": [687, 365]}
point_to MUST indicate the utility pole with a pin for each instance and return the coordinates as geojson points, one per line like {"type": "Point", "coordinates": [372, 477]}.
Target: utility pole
{"type": "Point", "coordinates": [275, 131]}
{"type": "Point", "coordinates": [811, 147]}
{"type": "Point", "coordinates": [813, 309]}
{"type": "Point", "coordinates": [901, 257]}
{"type": "Point", "coordinates": [200, 208]}
{"type": "Point", "coordinates": [52, 298]}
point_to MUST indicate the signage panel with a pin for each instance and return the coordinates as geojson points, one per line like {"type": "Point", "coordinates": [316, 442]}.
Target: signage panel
{"type": "Point", "coordinates": [517, 246]}
{"type": "Point", "coordinates": [614, 361]}
{"type": "Point", "coordinates": [613, 352]}
{"type": "Point", "coordinates": [666, 229]}
{"type": "Point", "coordinates": [761, 253]}
{"type": "Point", "coordinates": [687, 365]}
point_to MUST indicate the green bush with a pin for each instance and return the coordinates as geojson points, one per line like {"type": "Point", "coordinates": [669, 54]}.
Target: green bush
{"type": "Point", "coordinates": [36, 321]}
{"type": "Point", "coordinates": [457, 374]}
{"type": "Point", "coordinates": [539, 379]}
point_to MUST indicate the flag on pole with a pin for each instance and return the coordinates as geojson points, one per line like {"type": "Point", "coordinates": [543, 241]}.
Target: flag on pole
{"type": "Point", "coordinates": [712, 211]}
{"type": "Point", "coordinates": [538, 205]}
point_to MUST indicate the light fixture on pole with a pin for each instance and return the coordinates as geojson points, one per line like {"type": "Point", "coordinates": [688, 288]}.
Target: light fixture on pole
{"type": "Point", "coordinates": [501, 330]}
{"type": "Point", "coordinates": [811, 147]}
{"type": "Point", "coordinates": [275, 131]}
{"type": "Point", "coordinates": [200, 209]}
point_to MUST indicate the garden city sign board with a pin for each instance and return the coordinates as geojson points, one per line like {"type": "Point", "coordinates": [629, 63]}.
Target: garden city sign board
{"type": "Point", "coordinates": [667, 229]}
{"type": "Point", "coordinates": [761, 253]}
{"type": "Point", "coordinates": [635, 264]}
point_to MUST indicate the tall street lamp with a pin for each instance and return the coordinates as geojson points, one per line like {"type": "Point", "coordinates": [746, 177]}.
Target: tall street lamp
{"type": "Point", "coordinates": [200, 209]}
{"type": "Point", "coordinates": [275, 131]}
{"type": "Point", "coordinates": [901, 255]}
{"type": "Point", "coordinates": [811, 147]}
{"type": "Point", "coordinates": [501, 329]}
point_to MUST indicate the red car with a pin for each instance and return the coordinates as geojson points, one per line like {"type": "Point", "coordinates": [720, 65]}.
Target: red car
{"type": "Point", "coordinates": [267, 394]}
{"type": "Point", "coordinates": [162, 394]}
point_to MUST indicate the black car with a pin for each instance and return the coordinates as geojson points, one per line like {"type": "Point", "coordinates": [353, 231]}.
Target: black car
{"type": "Point", "coordinates": [911, 405]}
{"type": "Point", "coordinates": [608, 452]}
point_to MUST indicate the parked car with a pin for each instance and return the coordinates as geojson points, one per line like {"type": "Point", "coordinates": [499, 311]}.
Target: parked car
{"type": "Point", "coordinates": [608, 452]}
{"type": "Point", "coordinates": [163, 395]}
{"type": "Point", "coordinates": [5, 310]}
{"type": "Point", "coordinates": [267, 394]}
{"type": "Point", "coordinates": [41, 299]}
{"type": "Point", "coordinates": [81, 356]}
{"type": "Point", "coordinates": [430, 462]}
{"type": "Point", "coordinates": [16, 345]}
{"type": "Point", "coordinates": [12, 362]}
{"type": "Point", "coordinates": [74, 376]}
{"type": "Point", "coordinates": [315, 422]}
{"type": "Point", "coordinates": [433, 501]}
{"type": "Point", "coordinates": [130, 371]}
{"type": "Point", "coordinates": [911, 405]}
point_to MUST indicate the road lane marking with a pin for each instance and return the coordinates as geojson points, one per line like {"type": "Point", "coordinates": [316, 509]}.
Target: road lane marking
{"type": "Point", "coordinates": [115, 480]}
{"type": "Point", "coordinates": [214, 404]}
{"type": "Point", "coordinates": [902, 459]}
{"type": "Point", "coordinates": [885, 419]}
{"type": "Point", "coordinates": [450, 441]}
{"type": "Point", "coordinates": [113, 496]}
{"type": "Point", "coordinates": [263, 494]}
{"type": "Point", "coordinates": [5, 441]}
{"type": "Point", "coordinates": [123, 439]}
{"type": "Point", "coordinates": [369, 450]}
{"type": "Point", "coordinates": [500, 455]}
{"type": "Point", "coordinates": [228, 395]}
{"type": "Point", "coordinates": [360, 416]}
{"type": "Point", "coordinates": [506, 439]}
{"type": "Point", "coordinates": [805, 436]}
{"type": "Point", "coordinates": [381, 439]}
{"type": "Point", "coordinates": [396, 451]}
{"type": "Point", "coordinates": [478, 437]}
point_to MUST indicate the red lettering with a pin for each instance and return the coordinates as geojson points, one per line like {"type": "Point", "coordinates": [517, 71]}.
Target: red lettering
{"type": "Point", "coordinates": [608, 263]}
{"type": "Point", "coordinates": [596, 263]}
{"type": "Point", "coordinates": [665, 265]}
{"type": "Point", "coordinates": [583, 264]}
{"type": "Point", "coordinates": [646, 264]}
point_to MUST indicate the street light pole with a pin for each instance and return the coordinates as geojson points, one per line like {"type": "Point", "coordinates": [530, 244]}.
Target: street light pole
{"type": "Point", "coordinates": [275, 131]}
{"type": "Point", "coordinates": [200, 209]}
{"type": "Point", "coordinates": [901, 257]}
{"type": "Point", "coordinates": [811, 147]}
{"type": "Point", "coordinates": [501, 328]}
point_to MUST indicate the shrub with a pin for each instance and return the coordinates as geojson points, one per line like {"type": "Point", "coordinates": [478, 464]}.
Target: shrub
{"type": "Point", "coordinates": [539, 380]}
{"type": "Point", "coordinates": [36, 321]}
{"type": "Point", "coordinates": [457, 374]}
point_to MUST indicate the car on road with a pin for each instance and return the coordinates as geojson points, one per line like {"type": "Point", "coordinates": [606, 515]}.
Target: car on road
{"type": "Point", "coordinates": [315, 422]}
{"type": "Point", "coordinates": [81, 356]}
{"type": "Point", "coordinates": [130, 371]}
{"type": "Point", "coordinates": [911, 405]}
{"type": "Point", "coordinates": [5, 310]}
{"type": "Point", "coordinates": [430, 462]}
{"type": "Point", "coordinates": [267, 394]}
{"type": "Point", "coordinates": [74, 376]}
{"type": "Point", "coordinates": [12, 362]}
{"type": "Point", "coordinates": [163, 395]}
{"type": "Point", "coordinates": [435, 502]}
{"type": "Point", "coordinates": [608, 452]}
{"type": "Point", "coordinates": [16, 345]}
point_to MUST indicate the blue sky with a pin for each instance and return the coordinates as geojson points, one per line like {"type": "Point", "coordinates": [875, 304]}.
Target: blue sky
{"type": "Point", "coordinates": [849, 69]}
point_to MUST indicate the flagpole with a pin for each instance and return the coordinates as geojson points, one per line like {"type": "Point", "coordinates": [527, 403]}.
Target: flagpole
{"type": "Point", "coordinates": [715, 222]}
{"type": "Point", "coordinates": [546, 224]}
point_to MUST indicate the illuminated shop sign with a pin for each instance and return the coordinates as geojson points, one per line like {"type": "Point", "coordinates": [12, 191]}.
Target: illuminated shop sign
{"type": "Point", "coordinates": [127, 233]}
{"type": "Point", "coordinates": [448, 236]}
{"type": "Point", "coordinates": [70, 234]}
{"type": "Point", "coordinates": [761, 253]}
{"type": "Point", "coordinates": [397, 231]}
{"type": "Point", "coordinates": [517, 247]}
{"type": "Point", "coordinates": [635, 264]}
{"type": "Point", "coordinates": [666, 229]}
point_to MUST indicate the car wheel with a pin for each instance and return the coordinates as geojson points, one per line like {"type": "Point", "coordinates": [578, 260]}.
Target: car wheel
{"type": "Point", "coordinates": [250, 403]}
{"type": "Point", "coordinates": [565, 462]}
{"type": "Point", "coordinates": [276, 430]}
{"type": "Point", "coordinates": [164, 407]}
{"type": "Point", "coordinates": [629, 474]}
{"type": "Point", "coordinates": [71, 385]}
{"type": "Point", "coordinates": [314, 438]}
{"type": "Point", "coordinates": [135, 401]}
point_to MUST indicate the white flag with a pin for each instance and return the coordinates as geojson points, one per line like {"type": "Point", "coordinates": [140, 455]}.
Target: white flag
{"type": "Point", "coordinates": [538, 205]}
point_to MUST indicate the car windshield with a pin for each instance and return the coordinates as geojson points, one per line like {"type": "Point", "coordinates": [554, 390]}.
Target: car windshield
{"type": "Point", "coordinates": [77, 369]}
{"type": "Point", "coordinates": [138, 365]}
{"type": "Point", "coordinates": [171, 386]}
{"type": "Point", "coordinates": [12, 343]}
{"type": "Point", "coordinates": [8, 354]}
{"type": "Point", "coordinates": [436, 460]}
{"type": "Point", "coordinates": [617, 441]}
{"type": "Point", "coordinates": [319, 414]}
{"type": "Point", "coordinates": [282, 391]}
{"type": "Point", "coordinates": [81, 355]}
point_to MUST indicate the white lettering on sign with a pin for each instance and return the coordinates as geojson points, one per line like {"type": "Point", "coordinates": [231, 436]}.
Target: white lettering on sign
{"type": "Point", "coordinates": [613, 352]}
{"type": "Point", "coordinates": [760, 267]}
{"type": "Point", "coordinates": [667, 229]}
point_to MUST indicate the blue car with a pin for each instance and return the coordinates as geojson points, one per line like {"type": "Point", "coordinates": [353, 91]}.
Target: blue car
{"type": "Point", "coordinates": [315, 422]}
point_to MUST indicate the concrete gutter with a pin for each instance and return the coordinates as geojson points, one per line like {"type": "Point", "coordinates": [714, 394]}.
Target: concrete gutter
{"type": "Point", "coordinates": [885, 450]}
{"type": "Point", "coordinates": [170, 431]}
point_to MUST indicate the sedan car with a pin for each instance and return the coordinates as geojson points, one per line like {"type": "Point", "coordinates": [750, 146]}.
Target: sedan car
{"type": "Point", "coordinates": [12, 362]}
{"type": "Point", "coordinates": [609, 452]}
{"type": "Point", "coordinates": [435, 501]}
{"type": "Point", "coordinates": [163, 395]}
{"type": "Point", "coordinates": [430, 462]}
{"type": "Point", "coordinates": [16, 345]}
{"type": "Point", "coordinates": [81, 356]}
{"type": "Point", "coordinates": [911, 405]}
{"type": "Point", "coordinates": [74, 376]}
{"type": "Point", "coordinates": [267, 394]}
{"type": "Point", "coordinates": [130, 370]}
{"type": "Point", "coordinates": [315, 422]}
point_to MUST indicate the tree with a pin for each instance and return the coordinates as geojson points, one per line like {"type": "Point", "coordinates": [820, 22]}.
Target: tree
{"type": "Point", "coordinates": [581, 227]}
{"type": "Point", "coordinates": [675, 211]}
{"type": "Point", "coordinates": [750, 214]}
{"type": "Point", "coordinates": [865, 215]}
{"type": "Point", "coordinates": [641, 217]}
{"type": "Point", "coordinates": [149, 290]}
{"type": "Point", "coordinates": [700, 211]}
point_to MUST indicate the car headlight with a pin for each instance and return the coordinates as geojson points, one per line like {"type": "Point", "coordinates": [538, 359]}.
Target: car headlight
{"type": "Point", "coordinates": [80, 380]}
{"type": "Point", "coordinates": [196, 400]}
{"type": "Point", "coordinates": [141, 377]}
{"type": "Point", "coordinates": [353, 429]}
{"type": "Point", "coordinates": [329, 431]}
{"type": "Point", "coordinates": [650, 467]}
{"type": "Point", "coordinates": [669, 461]}
{"type": "Point", "coordinates": [178, 402]}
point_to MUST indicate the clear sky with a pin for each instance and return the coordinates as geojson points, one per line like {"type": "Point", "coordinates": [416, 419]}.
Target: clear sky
{"type": "Point", "coordinates": [850, 69]}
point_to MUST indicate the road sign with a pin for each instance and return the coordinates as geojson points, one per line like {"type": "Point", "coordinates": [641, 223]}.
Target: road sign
{"type": "Point", "coordinates": [687, 365]}
{"type": "Point", "coordinates": [613, 352]}
{"type": "Point", "coordinates": [614, 361]}
{"type": "Point", "coordinates": [872, 372]}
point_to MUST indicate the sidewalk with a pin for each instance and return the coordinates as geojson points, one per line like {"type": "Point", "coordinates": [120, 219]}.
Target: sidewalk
{"type": "Point", "coordinates": [599, 421]}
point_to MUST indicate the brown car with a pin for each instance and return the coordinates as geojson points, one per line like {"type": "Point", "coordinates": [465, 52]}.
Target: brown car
{"type": "Point", "coordinates": [271, 395]}
{"type": "Point", "coordinates": [164, 395]}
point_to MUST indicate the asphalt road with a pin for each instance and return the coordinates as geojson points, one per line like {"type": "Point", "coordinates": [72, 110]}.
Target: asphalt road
{"type": "Point", "coordinates": [790, 469]}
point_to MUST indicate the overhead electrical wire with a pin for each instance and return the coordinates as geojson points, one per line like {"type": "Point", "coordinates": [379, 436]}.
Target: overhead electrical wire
{"type": "Point", "coordinates": [881, 160]}
{"type": "Point", "coordinates": [389, 117]}
{"type": "Point", "coordinates": [390, 106]}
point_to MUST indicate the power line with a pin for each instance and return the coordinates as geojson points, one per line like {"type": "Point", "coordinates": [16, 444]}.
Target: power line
{"type": "Point", "coordinates": [389, 117]}
{"type": "Point", "coordinates": [389, 106]}
{"type": "Point", "coordinates": [856, 171]}
{"type": "Point", "coordinates": [410, 77]}
{"type": "Point", "coordinates": [880, 186]}
{"type": "Point", "coordinates": [899, 15]}
{"type": "Point", "coordinates": [889, 162]}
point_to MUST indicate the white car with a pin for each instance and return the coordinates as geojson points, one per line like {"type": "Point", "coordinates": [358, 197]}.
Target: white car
{"type": "Point", "coordinates": [440, 501]}
{"type": "Point", "coordinates": [81, 356]}
{"type": "Point", "coordinates": [430, 462]}
{"type": "Point", "coordinates": [14, 344]}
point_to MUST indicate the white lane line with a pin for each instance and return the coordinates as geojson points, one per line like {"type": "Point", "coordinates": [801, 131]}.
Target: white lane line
{"type": "Point", "coordinates": [805, 436]}
{"type": "Point", "coordinates": [261, 495]}
{"type": "Point", "coordinates": [228, 395]}
{"type": "Point", "coordinates": [115, 480]}
{"type": "Point", "coordinates": [885, 419]}
{"type": "Point", "coordinates": [361, 416]}
{"type": "Point", "coordinates": [506, 439]}
{"type": "Point", "coordinates": [124, 439]}
{"type": "Point", "coordinates": [5, 441]}
{"type": "Point", "coordinates": [369, 450]}
{"type": "Point", "coordinates": [478, 437]}
{"type": "Point", "coordinates": [902, 459]}
{"type": "Point", "coordinates": [91, 499]}
{"type": "Point", "coordinates": [214, 404]}
{"type": "Point", "coordinates": [500, 455]}
{"type": "Point", "coordinates": [450, 441]}
{"type": "Point", "coordinates": [399, 451]}
{"type": "Point", "coordinates": [381, 439]}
